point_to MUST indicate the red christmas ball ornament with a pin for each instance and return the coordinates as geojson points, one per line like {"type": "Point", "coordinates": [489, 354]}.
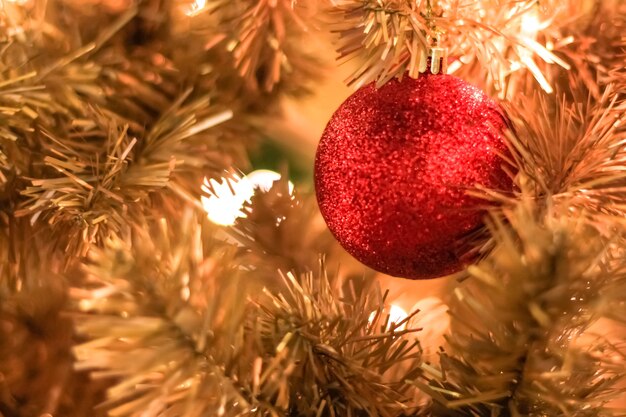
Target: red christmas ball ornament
{"type": "Point", "coordinates": [393, 169]}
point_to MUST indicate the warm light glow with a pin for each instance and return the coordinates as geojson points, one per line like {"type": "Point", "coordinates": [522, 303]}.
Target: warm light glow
{"type": "Point", "coordinates": [530, 25]}
{"type": "Point", "coordinates": [195, 7]}
{"type": "Point", "coordinates": [263, 179]}
{"type": "Point", "coordinates": [227, 196]}
{"type": "Point", "coordinates": [434, 320]}
{"type": "Point", "coordinates": [396, 315]}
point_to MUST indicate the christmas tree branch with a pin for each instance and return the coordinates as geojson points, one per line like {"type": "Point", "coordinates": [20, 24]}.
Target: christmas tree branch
{"type": "Point", "coordinates": [392, 37]}
{"type": "Point", "coordinates": [340, 352]}
{"type": "Point", "coordinates": [522, 325]}
{"type": "Point", "coordinates": [156, 321]}
{"type": "Point", "coordinates": [81, 167]}
{"type": "Point", "coordinates": [595, 47]}
{"type": "Point", "coordinates": [268, 43]}
{"type": "Point", "coordinates": [574, 154]}
{"type": "Point", "coordinates": [282, 230]}
{"type": "Point", "coordinates": [161, 322]}
{"type": "Point", "coordinates": [36, 375]}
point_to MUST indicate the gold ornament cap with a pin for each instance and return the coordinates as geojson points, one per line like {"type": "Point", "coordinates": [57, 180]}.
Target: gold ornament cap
{"type": "Point", "coordinates": [437, 58]}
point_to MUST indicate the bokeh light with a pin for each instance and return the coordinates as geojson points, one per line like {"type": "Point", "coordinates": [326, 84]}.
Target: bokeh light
{"type": "Point", "coordinates": [396, 315]}
{"type": "Point", "coordinates": [195, 7]}
{"type": "Point", "coordinates": [225, 197]}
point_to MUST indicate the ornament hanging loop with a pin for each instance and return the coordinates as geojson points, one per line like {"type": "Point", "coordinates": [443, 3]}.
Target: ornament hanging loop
{"type": "Point", "coordinates": [435, 57]}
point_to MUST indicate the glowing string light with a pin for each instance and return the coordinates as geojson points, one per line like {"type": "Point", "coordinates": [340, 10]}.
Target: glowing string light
{"type": "Point", "coordinates": [263, 179]}
{"type": "Point", "coordinates": [434, 320]}
{"type": "Point", "coordinates": [396, 315]}
{"type": "Point", "coordinates": [195, 7]}
{"type": "Point", "coordinates": [529, 30]}
{"type": "Point", "coordinates": [227, 196]}
{"type": "Point", "coordinates": [530, 25]}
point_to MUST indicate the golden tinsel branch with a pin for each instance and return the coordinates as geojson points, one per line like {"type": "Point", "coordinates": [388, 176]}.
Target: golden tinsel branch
{"type": "Point", "coordinates": [574, 153]}
{"type": "Point", "coordinates": [392, 37]}
{"type": "Point", "coordinates": [36, 365]}
{"type": "Point", "coordinates": [389, 38]}
{"type": "Point", "coordinates": [98, 182]}
{"type": "Point", "coordinates": [338, 351]}
{"type": "Point", "coordinates": [98, 127]}
{"type": "Point", "coordinates": [522, 324]}
{"type": "Point", "coordinates": [164, 317]}
{"type": "Point", "coordinates": [584, 37]}
{"type": "Point", "coordinates": [281, 228]}
{"type": "Point", "coordinates": [266, 39]}
{"type": "Point", "coordinates": [596, 47]}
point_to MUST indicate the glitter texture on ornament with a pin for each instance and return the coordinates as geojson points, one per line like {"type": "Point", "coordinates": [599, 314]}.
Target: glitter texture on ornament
{"type": "Point", "coordinates": [393, 169]}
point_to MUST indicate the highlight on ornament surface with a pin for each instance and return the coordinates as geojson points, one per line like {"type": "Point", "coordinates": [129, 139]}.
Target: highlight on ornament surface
{"type": "Point", "coordinates": [226, 197]}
